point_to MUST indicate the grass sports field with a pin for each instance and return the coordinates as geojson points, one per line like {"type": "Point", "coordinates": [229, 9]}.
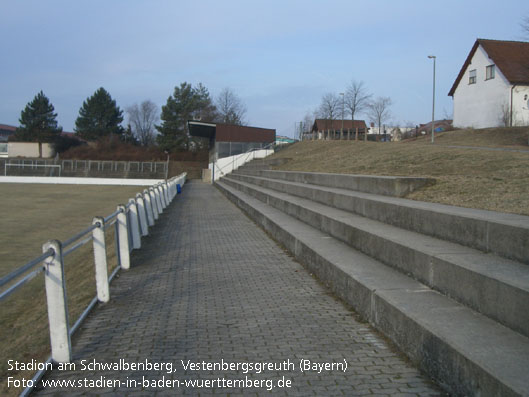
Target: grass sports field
{"type": "Point", "coordinates": [31, 215]}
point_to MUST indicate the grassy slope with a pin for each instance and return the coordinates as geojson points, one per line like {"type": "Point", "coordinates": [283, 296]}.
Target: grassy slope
{"type": "Point", "coordinates": [487, 179]}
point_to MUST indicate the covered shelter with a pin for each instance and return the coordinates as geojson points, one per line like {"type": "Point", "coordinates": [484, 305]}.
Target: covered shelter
{"type": "Point", "coordinates": [227, 140]}
{"type": "Point", "coordinates": [336, 129]}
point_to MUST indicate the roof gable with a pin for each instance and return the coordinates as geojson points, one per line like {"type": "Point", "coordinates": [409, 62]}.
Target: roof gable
{"type": "Point", "coordinates": [510, 57]}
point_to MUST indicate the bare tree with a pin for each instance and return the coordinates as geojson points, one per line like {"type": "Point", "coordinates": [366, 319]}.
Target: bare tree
{"type": "Point", "coordinates": [330, 107]}
{"type": "Point", "coordinates": [308, 121]}
{"type": "Point", "coordinates": [142, 120]}
{"type": "Point", "coordinates": [230, 108]}
{"type": "Point", "coordinates": [378, 111]}
{"type": "Point", "coordinates": [525, 26]}
{"type": "Point", "coordinates": [356, 98]}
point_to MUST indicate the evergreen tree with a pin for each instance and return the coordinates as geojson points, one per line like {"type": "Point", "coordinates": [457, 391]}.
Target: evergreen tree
{"type": "Point", "coordinates": [186, 103]}
{"type": "Point", "coordinates": [99, 117]}
{"type": "Point", "coordinates": [38, 122]}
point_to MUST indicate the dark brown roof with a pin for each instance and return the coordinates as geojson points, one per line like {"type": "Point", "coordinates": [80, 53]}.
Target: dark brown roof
{"type": "Point", "coordinates": [323, 124]}
{"type": "Point", "coordinates": [231, 133]}
{"type": "Point", "coordinates": [511, 58]}
{"type": "Point", "coordinates": [239, 133]}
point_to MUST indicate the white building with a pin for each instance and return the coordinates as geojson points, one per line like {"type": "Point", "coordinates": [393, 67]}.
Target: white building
{"type": "Point", "coordinates": [492, 88]}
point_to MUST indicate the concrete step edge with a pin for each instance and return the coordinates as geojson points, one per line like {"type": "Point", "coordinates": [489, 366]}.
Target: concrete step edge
{"type": "Point", "coordinates": [494, 286]}
{"type": "Point", "coordinates": [395, 186]}
{"type": "Point", "coordinates": [504, 234]}
{"type": "Point", "coordinates": [467, 352]}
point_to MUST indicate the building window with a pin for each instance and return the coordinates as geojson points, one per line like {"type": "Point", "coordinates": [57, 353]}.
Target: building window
{"type": "Point", "coordinates": [472, 77]}
{"type": "Point", "coordinates": [490, 72]}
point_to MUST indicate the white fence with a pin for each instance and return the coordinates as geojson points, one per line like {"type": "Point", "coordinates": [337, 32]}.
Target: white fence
{"type": "Point", "coordinates": [131, 222]}
{"type": "Point", "coordinates": [64, 180]}
{"type": "Point", "coordinates": [226, 165]}
{"type": "Point", "coordinates": [83, 167]}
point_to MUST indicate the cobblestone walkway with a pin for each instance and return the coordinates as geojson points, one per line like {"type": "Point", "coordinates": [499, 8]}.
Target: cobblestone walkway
{"type": "Point", "coordinates": [209, 286]}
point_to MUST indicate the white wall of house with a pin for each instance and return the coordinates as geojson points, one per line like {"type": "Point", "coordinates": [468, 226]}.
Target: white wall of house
{"type": "Point", "coordinates": [480, 105]}
{"type": "Point", "coordinates": [29, 149]}
{"type": "Point", "coordinates": [520, 105]}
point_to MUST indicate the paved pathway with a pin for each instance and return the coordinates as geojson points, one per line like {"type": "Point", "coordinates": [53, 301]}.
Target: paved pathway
{"type": "Point", "coordinates": [209, 286]}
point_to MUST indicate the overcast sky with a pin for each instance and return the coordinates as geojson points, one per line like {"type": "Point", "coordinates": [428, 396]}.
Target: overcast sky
{"type": "Point", "coordinates": [280, 57]}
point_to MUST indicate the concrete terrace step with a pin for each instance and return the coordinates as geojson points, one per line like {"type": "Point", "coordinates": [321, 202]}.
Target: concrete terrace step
{"type": "Point", "coordinates": [503, 234]}
{"type": "Point", "coordinates": [397, 186]}
{"type": "Point", "coordinates": [467, 352]}
{"type": "Point", "coordinates": [494, 286]}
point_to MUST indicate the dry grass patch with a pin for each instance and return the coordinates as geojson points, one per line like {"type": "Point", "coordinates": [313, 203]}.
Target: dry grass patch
{"type": "Point", "coordinates": [502, 137]}
{"type": "Point", "coordinates": [492, 180]}
{"type": "Point", "coordinates": [32, 215]}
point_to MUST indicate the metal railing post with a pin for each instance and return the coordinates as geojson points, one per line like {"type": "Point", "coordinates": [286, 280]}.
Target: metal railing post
{"type": "Point", "coordinates": [142, 214]}
{"type": "Point", "coordinates": [100, 259]}
{"type": "Point", "coordinates": [61, 348]}
{"type": "Point", "coordinates": [148, 206]}
{"type": "Point", "coordinates": [123, 237]}
{"type": "Point", "coordinates": [134, 224]}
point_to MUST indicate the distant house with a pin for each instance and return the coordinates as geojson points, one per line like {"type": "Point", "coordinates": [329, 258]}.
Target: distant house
{"type": "Point", "coordinates": [6, 131]}
{"type": "Point", "coordinates": [283, 140]}
{"type": "Point", "coordinates": [332, 129]}
{"type": "Point", "coordinates": [492, 88]}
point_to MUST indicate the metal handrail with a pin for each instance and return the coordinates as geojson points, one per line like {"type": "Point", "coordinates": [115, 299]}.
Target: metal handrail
{"type": "Point", "coordinates": [247, 152]}
{"type": "Point", "coordinates": [112, 215]}
{"type": "Point", "coordinates": [22, 269]}
{"type": "Point", "coordinates": [76, 237]}
{"type": "Point", "coordinates": [21, 282]}
{"type": "Point", "coordinates": [75, 246]}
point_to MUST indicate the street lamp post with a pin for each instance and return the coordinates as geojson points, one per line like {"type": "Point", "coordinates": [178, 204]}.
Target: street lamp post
{"type": "Point", "coordinates": [343, 112]}
{"type": "Point", "coordinates": [433, 97]}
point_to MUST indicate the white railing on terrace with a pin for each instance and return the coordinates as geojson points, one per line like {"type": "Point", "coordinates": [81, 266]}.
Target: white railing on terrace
{"type": "Point", "coordinates": [131, 222]}
{"type": "Point", "coordinates": [32, 166]}
{"type": "Point", "coordinates": [226, 165]}
{"type": "Point", "coordinates": [89, 165]}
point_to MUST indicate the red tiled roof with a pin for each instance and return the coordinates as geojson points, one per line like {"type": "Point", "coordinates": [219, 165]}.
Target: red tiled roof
{"type": "Point", "coordinates": [511, 58]}
{"type": "Point", "coordinates": [323, 124]}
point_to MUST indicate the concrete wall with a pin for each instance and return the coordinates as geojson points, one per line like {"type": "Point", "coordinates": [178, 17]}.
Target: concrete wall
{"type": "Point", "coordinates": [480, 105]}
{"type": "Point", "coordinates": [29, 149]}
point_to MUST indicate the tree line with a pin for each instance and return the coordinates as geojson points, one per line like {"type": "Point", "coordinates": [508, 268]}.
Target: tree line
{"type": "Point", "coordinates": [355, 101]}
{"type": "Point", "coordinates": [100, 117]}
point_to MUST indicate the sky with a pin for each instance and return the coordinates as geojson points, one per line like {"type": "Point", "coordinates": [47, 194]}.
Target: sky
{"type": "Point", "coordinates": [279, 57]}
